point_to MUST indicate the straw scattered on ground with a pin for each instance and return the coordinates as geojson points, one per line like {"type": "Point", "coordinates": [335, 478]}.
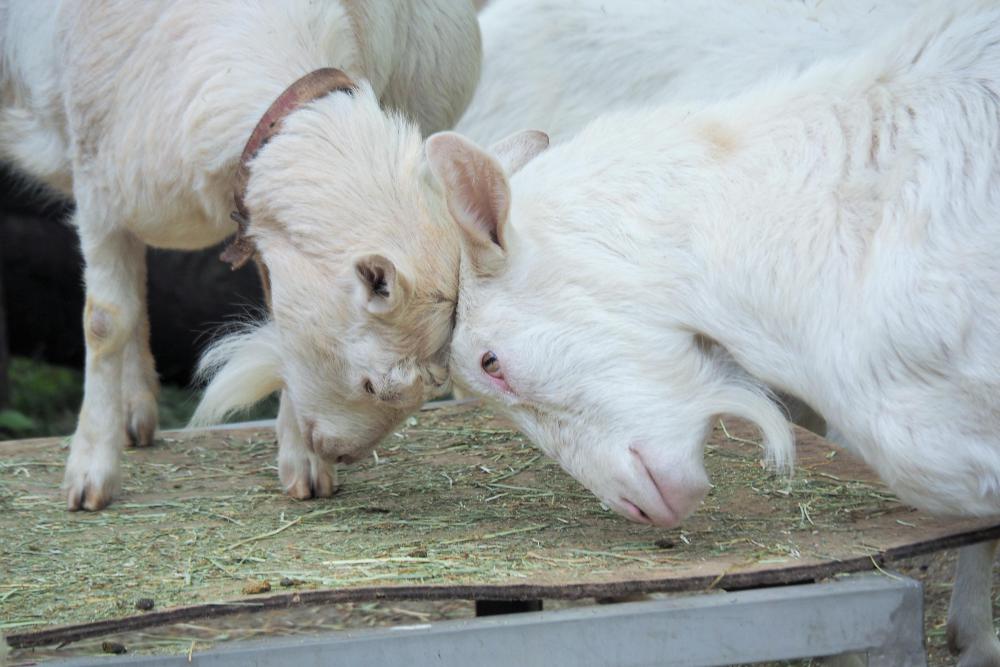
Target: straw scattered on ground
{"type": "Point", "coordinates": [453, 497]}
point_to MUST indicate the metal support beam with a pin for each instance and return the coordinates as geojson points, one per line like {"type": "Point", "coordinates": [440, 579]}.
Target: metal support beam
{"type": "Point", "coordinates": [879, 615]}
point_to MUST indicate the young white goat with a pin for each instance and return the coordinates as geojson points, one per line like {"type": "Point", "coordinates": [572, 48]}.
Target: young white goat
{"type": "Point", "coordinates": [832, 235]}
{"type": "Point", "coordinates": [139, 111]}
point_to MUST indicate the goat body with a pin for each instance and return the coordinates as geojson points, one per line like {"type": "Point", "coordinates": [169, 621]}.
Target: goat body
{"type": "Point", "coordinates": [556, 65]}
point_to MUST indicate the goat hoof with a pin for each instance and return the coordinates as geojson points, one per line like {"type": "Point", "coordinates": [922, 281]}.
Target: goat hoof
{"type": "Point", "coordinates": [89, 490]}
{"type": "Point", "coordinates": [307, 477]}
{"type": "Point", "coordinates": [89, 498]}
{"type": "Point", "coordinates": [93, 474]}
{"type": "Point", "coordinates": [141, 424]}
{"type": "Point", "coordinates": [980, 654]}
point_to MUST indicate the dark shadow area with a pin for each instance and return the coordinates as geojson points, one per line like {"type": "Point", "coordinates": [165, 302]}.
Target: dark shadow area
{"type": "Point", "coordinates": [190, 293]}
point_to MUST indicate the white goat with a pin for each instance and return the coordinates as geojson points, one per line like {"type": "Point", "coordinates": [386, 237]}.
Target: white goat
{"type": "Point", "coordinates": [139, 111]}
{"type": "Point", "coordinates": [832, 235]}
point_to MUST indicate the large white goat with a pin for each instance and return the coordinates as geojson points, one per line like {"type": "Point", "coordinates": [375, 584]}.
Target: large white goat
{"type": "Point", "coordinates": [832, 235]}
{"type": "Point", "coordinates": [139, 111]}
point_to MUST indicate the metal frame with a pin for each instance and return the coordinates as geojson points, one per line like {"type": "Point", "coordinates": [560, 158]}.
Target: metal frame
{"type": "Point", "coordinates": [879, 615]}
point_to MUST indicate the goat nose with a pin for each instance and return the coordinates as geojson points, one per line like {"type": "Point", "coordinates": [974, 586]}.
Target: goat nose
{"type": "Point", "coordinates": [635, 513]}
{"type": "Point", "coordinates": [664, 499]}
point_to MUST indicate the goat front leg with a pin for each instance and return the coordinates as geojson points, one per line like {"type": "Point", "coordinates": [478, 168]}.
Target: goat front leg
{"type": "Point", "coordinates": [115, 266]}
{"type": "Point", "coordinates": [303, 473]}
{"type": "Point", "coordinates": [970, 616]}
{"type": "Point", "coordinates": [139, 382]}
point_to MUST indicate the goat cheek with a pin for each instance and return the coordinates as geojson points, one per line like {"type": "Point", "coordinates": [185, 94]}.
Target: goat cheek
{"type": "Point", "coordinates": [501, 384]}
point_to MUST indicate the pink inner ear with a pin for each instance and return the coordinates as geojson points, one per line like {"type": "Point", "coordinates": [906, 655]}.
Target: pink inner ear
{"type": "Point", "coordinates": [482, 191]}
{"type": "Point", "coordinates": [475, 186]}
{"type": "Point", "coordinates": [477, 192]}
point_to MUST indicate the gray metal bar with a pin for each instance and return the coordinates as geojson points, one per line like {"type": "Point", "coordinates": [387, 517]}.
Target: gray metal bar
{"type": "Point", "coordinates": [869, 613]}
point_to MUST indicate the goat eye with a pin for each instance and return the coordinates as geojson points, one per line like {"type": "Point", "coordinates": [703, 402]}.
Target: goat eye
{"type": "Point", "coordinates": [369, 387]}
{"type": "Point", "coordinates": [491, 365]}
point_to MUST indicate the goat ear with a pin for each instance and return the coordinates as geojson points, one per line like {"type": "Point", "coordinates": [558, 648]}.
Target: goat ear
{"type": "Point", "coordinates": [519, 149]}
{"type": "Point", "coordinates": [475, 187]}
{"type": "Point", "coordinates": [381, 288]}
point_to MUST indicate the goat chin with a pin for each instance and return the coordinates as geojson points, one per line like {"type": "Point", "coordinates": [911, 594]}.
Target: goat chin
{"type": "Point", "coordinates": [241, 369]}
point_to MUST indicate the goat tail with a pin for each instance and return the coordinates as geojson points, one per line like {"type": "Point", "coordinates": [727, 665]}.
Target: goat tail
{"type": "Point", "coordinates": [239, 370]}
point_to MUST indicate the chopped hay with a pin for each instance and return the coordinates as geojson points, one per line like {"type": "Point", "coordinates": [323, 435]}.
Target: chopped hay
{"type": "Point", "coordinates": [454, 497]}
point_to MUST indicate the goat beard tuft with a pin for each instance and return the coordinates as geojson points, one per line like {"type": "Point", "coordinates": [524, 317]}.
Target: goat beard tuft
{"type": "Point", "coordinates": [239, 370]}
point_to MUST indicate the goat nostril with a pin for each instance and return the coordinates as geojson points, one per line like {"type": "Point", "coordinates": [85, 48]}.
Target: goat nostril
{"type": "Point", "coordinates": [635, 512]}
{"type": "Point", "coordinates": [369, 387]}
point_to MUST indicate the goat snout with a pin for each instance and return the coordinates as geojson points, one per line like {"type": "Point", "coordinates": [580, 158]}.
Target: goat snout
{"type": "Point", "coordinates": [660, 497]}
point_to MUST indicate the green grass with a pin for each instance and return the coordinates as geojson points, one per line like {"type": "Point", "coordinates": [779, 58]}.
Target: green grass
{"type": "Point", "coordinates": [45, 400]}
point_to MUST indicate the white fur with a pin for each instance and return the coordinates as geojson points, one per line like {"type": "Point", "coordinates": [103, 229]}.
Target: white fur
{"type": "Point", "coordinates": [244, 368]}
{"type": "Point", "coordinates": [139, 111]}
{"type": "Point", "coordinates": [557, 64]}
{"type": "Point", "coordinates": [834, 234]}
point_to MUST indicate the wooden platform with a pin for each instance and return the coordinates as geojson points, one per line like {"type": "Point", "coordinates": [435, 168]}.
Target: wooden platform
{"type": "Point", "coordinates": [456, 506]}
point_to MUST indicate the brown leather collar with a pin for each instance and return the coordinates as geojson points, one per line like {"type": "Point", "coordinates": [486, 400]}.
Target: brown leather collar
{"type": "Point", "coordinates": [310, 87]}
